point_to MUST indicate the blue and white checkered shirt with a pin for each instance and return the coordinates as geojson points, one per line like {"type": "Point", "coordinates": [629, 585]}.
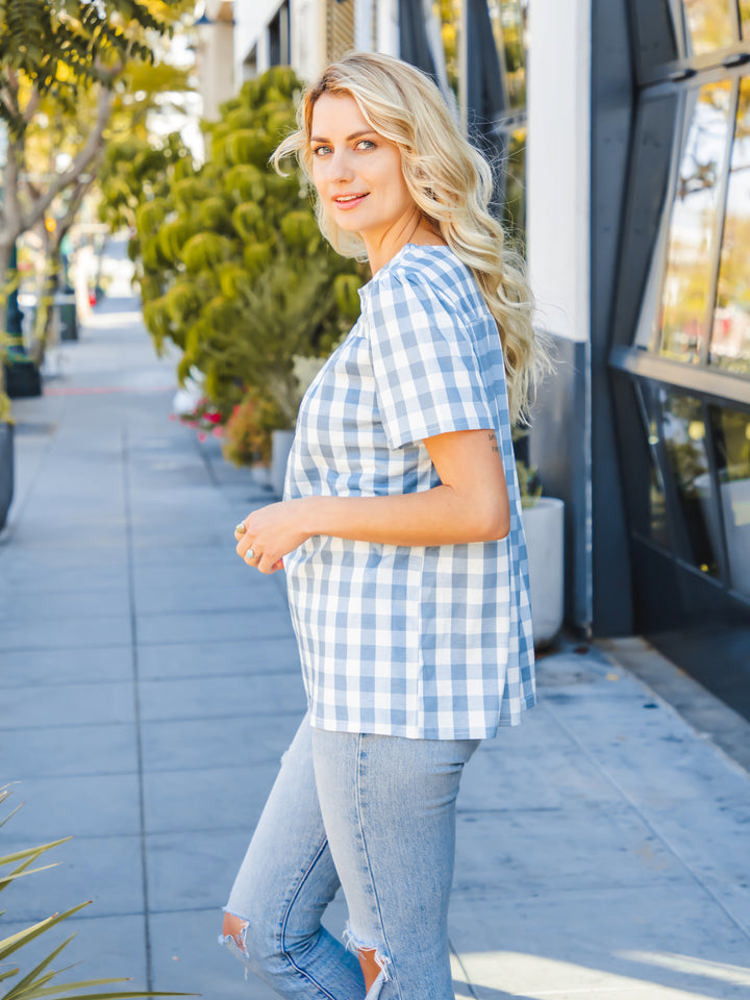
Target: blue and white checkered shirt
{"type": "Point", "coordinates": [425, 642]}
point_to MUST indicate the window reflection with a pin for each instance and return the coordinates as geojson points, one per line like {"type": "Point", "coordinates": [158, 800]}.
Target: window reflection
{"type": "Point", "coordinates": [709, 25]}
{"type": "Point", "coordinates": [684, 432]}
{"type": "Point", "coordinates": [730, 343]}
{"type": "Point", "coordinates": [690, 254]}
{"type": "Point", "coordinates": [508, 18]}
{"type": "Point", "coordinates": [657, 527]}
{"type": "Point", "coordinates": [514, 216]}
{"type": "Point", "coordinates": [732, 437]}
{"type": "Point", "coordinates": [447, 13]}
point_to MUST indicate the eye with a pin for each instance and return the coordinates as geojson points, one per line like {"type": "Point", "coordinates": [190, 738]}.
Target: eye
{"type": "Point", "coordinates": [321, 150]}
{"type": "Point", "coordinates": [365, 144]}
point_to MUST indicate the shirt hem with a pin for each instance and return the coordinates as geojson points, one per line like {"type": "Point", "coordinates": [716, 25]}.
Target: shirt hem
{"type": "Point", "coordinates": [417, 733]}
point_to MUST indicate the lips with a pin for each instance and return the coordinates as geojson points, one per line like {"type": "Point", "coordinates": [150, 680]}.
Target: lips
{"type": "Point", "coordinates": [348, 201]}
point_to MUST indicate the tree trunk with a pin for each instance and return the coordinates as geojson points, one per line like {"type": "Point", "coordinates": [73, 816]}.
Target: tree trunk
{"type": "Point", "coordinates": [45, 312]}
{"type": "Point", "coordinates": [5, 251]}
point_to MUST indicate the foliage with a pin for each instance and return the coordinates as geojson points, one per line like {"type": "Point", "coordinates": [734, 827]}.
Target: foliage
{"type": "Point", "coordinates": [529, 484]}
{"type": "Point", "coordinates": [247, 433]}
{"type": "Point", "coordinates": [58, 55]}
{"type": "Point", "coordinates": [231, 265]}
{"type": "Point", "coordinates": [57, 45]}
{"type": "Point", "coordinates": [36, 982]}
{"type": "Point", "coordinates": [135, 169]}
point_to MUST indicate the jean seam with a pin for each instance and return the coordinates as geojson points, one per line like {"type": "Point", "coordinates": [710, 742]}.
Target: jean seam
{"type": "Point", "coordinates": [360, 825]}
{"type": "Point", "coordinates": [285, 920]}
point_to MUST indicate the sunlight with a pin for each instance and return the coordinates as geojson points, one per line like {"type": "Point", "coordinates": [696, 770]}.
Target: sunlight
{"type": "Point", "coordinates": [738, 975]}
{"type": "Point", "coordinates": [535, 977]}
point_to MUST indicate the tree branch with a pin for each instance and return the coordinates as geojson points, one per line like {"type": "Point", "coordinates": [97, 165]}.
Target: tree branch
{"type": "Point", "coordinates": [85, 156]}
{"type": "Point", "coordinates": [32, 104]}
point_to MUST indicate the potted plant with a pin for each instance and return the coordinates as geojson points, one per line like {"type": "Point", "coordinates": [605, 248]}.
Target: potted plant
{"type": "Point", "coordinates": [544, 527]}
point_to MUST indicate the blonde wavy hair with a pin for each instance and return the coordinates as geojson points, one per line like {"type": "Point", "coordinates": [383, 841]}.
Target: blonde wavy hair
{"type": "Point", "coordinates": [451, 184]}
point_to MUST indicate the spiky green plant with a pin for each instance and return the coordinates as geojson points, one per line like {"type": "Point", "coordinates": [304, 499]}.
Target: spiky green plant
{"type": "Point", "coordinates": [38, 983]}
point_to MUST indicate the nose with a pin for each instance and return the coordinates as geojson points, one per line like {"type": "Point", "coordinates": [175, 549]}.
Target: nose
{"type": "Point", "coordinates": [340, 166]}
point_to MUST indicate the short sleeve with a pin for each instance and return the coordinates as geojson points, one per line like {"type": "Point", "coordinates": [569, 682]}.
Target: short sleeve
{"type": "Point", "coordinates": [427, 376]}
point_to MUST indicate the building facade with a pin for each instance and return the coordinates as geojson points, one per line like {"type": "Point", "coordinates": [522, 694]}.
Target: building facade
{"type": "Point", "coordinates": [624, 173]}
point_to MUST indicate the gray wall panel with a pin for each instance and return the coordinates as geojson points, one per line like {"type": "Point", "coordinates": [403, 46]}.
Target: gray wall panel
{"type": "Point", "coordinates": [558, 448]}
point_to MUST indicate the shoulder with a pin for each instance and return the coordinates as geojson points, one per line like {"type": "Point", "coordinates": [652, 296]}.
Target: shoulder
{"type": "Point", "coordinates": [420, 279]}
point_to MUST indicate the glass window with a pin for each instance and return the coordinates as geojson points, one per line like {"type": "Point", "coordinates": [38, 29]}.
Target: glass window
{"type": "Point", "coordinates": [730, 342]}
{"type": "Point", "coordinates": [693, 226]}
{"type": "Point", "coordinates": [447, 13]}
{"type": "Point", "coordinates": [710, 25]}
{"type": "Point", "coordinates": [514, 215]}
{"type": "Point", "coordinates": [684, 432]}
{"type": "Point", "coordinates": [508, 18]}
{"type": "Point", "coordinates": [656, 527]}
{"type": "Point", "coordinates": [732, 437]}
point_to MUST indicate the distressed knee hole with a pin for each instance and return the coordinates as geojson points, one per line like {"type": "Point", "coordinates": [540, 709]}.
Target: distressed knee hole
{"type": "Point", "coordinates": [373, 962]}
{"type": "Point", "coordinates": [234, 929]}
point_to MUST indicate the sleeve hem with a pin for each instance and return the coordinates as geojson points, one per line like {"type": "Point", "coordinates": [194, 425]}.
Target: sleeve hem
{"type": "Point", "coordinates": [445, 426]}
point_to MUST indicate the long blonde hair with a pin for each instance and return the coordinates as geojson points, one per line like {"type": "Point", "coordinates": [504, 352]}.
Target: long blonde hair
{"type": "Point", "coordinates": [451, 184]}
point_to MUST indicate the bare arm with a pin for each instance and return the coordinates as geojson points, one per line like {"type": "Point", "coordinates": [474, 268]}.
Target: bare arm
{"type": "Point", "coordinates": [470, 505]}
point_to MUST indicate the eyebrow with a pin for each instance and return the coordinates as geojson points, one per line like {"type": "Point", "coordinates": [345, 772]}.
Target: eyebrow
{"type": "Point", "coordinates": [354, 135]}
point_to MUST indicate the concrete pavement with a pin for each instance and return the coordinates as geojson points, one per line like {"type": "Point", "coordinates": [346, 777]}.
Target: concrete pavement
{"type": "Point", "coordinates": [149, 684]}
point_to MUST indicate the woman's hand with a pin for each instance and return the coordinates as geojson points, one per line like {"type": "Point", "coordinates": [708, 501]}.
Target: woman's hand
{"type": "Point", "coordinates": [268, 534]}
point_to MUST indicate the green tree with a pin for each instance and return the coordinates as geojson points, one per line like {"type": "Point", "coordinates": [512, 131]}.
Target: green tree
{"type": "Point", "coordinates": [58, 130]}
{"type": "Point", "coordinates": [231, 264]}
{"type": "Point", "coordinates": [54, 50]}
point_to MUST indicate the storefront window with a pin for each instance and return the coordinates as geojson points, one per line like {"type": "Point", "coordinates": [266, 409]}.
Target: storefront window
{"type": "Point", "coordinates": [730, 343]}
{"type": "Point", "coordinates": [508, 18]}
{"type": "Point", "coordinates": [732, 437]}
{"type": "Point", "coordinates": [658, 526]}
{"type": "Point", "coordinates": [693, 228]}
{"type": "Point", "coordinates": [447, 13]}
{"type": "Point", "coordinates": [514, 217]}
{"type": "Point", "coordinates": [684, 432]}
{"type": "Point", "coordinates": [709, 25]}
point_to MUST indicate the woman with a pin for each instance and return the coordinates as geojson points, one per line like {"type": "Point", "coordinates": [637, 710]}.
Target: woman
{"type": "Point", "coordinates": [401, 537]}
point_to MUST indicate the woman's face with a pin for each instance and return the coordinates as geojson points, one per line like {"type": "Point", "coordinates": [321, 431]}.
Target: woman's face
{"type": "Point", "coordinates": [357, 172]}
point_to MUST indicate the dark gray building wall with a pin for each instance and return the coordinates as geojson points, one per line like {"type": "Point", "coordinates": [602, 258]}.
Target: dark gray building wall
{"type": "Point", "coordinates": [612, 100]}
{"type": "Point", "coordinates": [574, 442]}
{"type": "Point", "coordinates": [559, 448]}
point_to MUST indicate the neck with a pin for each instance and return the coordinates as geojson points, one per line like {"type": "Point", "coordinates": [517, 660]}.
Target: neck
{"type": "Point", "coordinates": [382, 247]}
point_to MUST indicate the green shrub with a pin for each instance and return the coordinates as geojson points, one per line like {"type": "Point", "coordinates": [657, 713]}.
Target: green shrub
{"type": "Point", "coordinates": [230, 262]}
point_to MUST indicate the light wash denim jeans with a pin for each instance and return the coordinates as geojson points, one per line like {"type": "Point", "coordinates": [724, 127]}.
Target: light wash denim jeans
{"type": "Point", "coordinates": [376, 815]}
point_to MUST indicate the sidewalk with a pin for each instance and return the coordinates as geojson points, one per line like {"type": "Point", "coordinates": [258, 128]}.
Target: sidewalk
{"type": "Point", "coordinates": [149, 684]}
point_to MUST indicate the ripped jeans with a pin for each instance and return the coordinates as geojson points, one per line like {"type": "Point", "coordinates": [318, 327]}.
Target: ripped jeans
{"type": "Point", "coordinates": [376, 815]}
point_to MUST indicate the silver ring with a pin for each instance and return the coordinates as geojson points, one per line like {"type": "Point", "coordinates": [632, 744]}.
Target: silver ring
{"type": "Point", "coordinates": [249, 555]}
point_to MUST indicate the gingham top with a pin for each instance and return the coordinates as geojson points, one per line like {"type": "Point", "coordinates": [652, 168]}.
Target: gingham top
{"type": "Point", "coordinates": [425, 642]}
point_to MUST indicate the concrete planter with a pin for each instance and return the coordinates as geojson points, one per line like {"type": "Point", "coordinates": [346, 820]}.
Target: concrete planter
{"type": "Point", "coordinates": [281, 445]}
{"type": "Point", "coordinates": [544, 528]}
{"type": "Point", "coordinates": [6, 470]}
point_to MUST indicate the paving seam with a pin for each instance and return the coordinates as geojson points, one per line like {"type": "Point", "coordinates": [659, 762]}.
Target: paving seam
{"type": "Point", "coordinates": [136, 700]}
{"type": "Point", "coordinates": [570, 733]}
